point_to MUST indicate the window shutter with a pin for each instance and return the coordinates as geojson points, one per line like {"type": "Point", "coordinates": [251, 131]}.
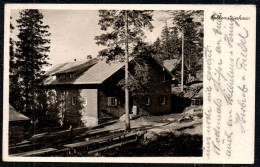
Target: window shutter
{"type": "Point", "coordinates": [109, 101]}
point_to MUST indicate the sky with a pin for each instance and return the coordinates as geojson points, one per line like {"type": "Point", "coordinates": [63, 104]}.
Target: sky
{"type": "Point", "coordinates": [73, 32]}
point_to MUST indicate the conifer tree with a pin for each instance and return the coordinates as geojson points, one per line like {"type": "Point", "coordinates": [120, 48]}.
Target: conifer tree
{"type": "Point", "coordinates": [14, 96]}
{"type": "Point", "coordinates": [124, 30]}
{"type": "Point", "coordinates": [165, 36]}
{"type": "Point", "coordinates": [157, 48]}
{"type": "Point", "coordinates": [174, 43]}
{"type": "Point", "coordinates": [169, 45]}
{"type": "Point", "coordinates": [191, 21]}
{"type": "Point", "coordinates": [157, 45]}
{"type": "Point", "coordinates": [31, 56]}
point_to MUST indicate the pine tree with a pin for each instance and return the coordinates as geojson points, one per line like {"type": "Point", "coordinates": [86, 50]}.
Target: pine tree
{"type": "Point", "coordinates": [11, 48]}
{"type": "Point", "coordinates": [157, 48]}
{"type": "Point", "coordinates": [165, 36]}
{"type": "Point", "coordinates": [114, 22]}
{"type": "Point", "coordinates": [14, 96]}
{"type": "Point", "coordinates": [139, 76]}
{"type": "Point", "coordinates": [169, 45]}
{"type": "Point", "coordinates": [174, 43]}
{"type": "Point", "coordinates": [191, 22]}
{"type": "Point", "coordinates": [31, 56]}
{"type": "Point", "coordinates": [157, 45]}
{"type": "Point", "coordinates": [124, 30]}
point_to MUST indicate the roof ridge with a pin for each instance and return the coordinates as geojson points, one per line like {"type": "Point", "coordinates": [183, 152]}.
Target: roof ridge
{"type": "Point", "coordinates": [61, 67]}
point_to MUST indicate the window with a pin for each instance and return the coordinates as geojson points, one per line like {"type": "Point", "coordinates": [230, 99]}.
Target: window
{"type": "Point", "coordinates": [84, 101]}
{"type": "Point", "coordinates": [112, 101]}
{"type": "Point", "coordinates": [197, 102]}
{"type": "Point", "coordinates": [162, 77]}
{"type": "Point", "coordinates": [74, 100]}
{"type": "Point", "coordinates": [147, 100]}
{"type": "Point", "coordinates": [162, 100]}
{"type": "Point", "coordinates": [67, 76]}
{"type": "Point", "coordinates": [193, 102]}
{"type": "Point", "coordinates": [64, 76]}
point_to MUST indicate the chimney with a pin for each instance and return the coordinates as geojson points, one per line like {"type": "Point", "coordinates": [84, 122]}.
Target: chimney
{"type": "Point", "coordinates": [89, 57]}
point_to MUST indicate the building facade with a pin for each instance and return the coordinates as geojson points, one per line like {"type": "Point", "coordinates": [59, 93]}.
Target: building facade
{"type": "Point", "coordinates": [88, 92]}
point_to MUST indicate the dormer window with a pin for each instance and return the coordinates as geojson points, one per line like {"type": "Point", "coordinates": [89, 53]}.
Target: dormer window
{"type": "Point", "coordinates": [65, 76]}
{"type": "Point", "coordinates": [60, 76]}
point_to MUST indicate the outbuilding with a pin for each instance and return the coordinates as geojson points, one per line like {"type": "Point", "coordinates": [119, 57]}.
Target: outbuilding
{"type": "Point", "coordinates": [18, 126]}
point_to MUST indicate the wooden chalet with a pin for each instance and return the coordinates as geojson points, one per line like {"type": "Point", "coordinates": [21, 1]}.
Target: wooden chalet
{"type": "Point", "coordinates": [174, 66]}
{"type": "Point", "coordinates": [197, 100]}
{"type": "Point", "coordinates": [93, 85]}
{"type": "Point", "coordinates": [18, 125]}
{"type": "Point", "coordinates": [195, 94]}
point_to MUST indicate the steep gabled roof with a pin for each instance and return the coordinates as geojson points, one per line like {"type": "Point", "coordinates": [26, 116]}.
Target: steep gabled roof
{"type": "Point", "coordinates": [16, 116]}
{"type": "Point", "coordinates": [171, 64]}
{"type": "Point", "coordinates": [97, 73]}
{"type": "Point", "coordinates": [70, 67]}
{"type": "Point", "coordinates": [199, 94]}
{"type": "Point", "coordinates": [194, 91]}
{"type": "Point", "coordinates": [164, 68]}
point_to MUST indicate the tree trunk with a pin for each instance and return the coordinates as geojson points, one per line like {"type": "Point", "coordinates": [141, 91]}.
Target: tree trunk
{"type": "Point", "coordinates": [182, 61]}
{"type": "Point", "coordinates": [189, 70]}
{"type": "Point", "coordinates": [127, 120]}
{"type": "Point", "coordinates": [33, 94]}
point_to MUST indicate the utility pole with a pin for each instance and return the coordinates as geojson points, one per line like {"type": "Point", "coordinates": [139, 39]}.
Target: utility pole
{"type": "Point", "coordinates": [182, 60]}
{"type": "Point", "coordinates": [127, 119]}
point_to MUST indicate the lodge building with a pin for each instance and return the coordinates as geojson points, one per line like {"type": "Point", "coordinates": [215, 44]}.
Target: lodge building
{"type": "Point", "coordinates": [91, 87]}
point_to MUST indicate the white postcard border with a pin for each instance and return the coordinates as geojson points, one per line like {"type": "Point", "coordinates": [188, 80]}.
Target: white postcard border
{"type": "Point", "coordinates": [248, 143]}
